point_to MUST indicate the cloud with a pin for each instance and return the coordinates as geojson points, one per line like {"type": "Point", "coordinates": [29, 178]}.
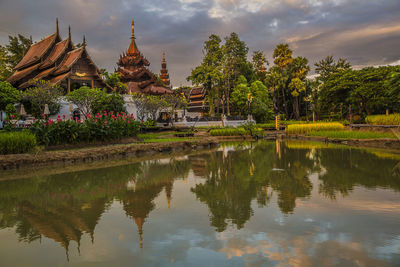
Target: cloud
{"type": "Point", "coordinates": [366, 32]}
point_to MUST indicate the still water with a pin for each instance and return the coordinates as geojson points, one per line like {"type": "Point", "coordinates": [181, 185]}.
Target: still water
{"type": "Point", "coordinates": [243, 204]}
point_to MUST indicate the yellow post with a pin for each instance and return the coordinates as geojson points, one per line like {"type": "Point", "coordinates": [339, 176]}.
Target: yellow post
{"type": "Point", "coordinates": [277, 122]}
{"type": "Point", "coordinates": [387, 112]}
{"type": "Point", "coordinates": [313, 116]}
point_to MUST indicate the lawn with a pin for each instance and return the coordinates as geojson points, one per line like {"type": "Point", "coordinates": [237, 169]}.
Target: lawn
{"type": "Point", "coordinates": [348, 134]}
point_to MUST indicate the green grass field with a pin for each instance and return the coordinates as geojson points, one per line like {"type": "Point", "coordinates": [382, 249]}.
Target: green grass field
{"type": "Point", "coordinates": [347, 134]}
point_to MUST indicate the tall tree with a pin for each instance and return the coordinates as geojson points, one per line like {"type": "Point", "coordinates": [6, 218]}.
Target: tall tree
{"type": "Point", "coordinates": [259, 61]}
{"type": "Point", "coordinates": [328, 65]}
{"type": "Point", "coordinates": [234, 63]}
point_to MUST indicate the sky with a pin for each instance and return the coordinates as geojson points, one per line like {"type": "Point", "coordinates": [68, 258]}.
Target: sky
{"type": "Point", "coordinates": [365, 32]}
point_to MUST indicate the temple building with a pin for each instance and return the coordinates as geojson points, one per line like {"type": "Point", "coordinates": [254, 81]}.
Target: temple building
{"type": "Point", "coordinates": [164, 76]}
{"type": "Point", "coordinates": [197, 101]}
{"type": "Point", "coordinates": [58, 61]}
{"type": "Point", "coordinates": [133, 70]}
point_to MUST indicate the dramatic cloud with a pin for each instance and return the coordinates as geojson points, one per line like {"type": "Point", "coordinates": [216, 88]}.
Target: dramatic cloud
{"type": "Point", "coordinates": [366, 32]}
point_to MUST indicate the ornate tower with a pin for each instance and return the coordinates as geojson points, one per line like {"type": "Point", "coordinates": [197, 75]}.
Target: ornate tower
{"type": "Point", "coordinates": [164, 72]}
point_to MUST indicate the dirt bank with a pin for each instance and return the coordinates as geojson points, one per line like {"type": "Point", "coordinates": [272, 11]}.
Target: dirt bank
{"type": "Point", "coordinates": [85, 155]}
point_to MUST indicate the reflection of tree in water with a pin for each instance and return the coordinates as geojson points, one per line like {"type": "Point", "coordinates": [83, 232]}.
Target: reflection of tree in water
{"type": "Point", "coordinates": [346, 168]}
{"type": "Point", "coordinates": [64, 207]}
{"type": "Point", "coordinates": [235, 178]}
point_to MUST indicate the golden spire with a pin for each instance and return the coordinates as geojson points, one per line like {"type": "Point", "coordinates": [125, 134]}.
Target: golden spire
{"type": "Point", "coordinates": [163, 56]}
{"type": "Point", "coordinates": [133, 29]}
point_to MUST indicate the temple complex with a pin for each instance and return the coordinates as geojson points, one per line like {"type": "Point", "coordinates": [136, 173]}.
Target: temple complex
{"type": "Point", "coordinates": [58, 61]}
{"type": "Point", "coordinates": [164, 76]}
{"type": "Point", "coordinates": [133, 70]}
{"type": "Point", "coordinates": [197, 103]}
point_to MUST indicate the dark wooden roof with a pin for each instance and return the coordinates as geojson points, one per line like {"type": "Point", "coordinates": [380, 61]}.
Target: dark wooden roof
{"type": "Point", "coordinates": [37, 51]}
{"type": "Point", "coordinates": [69, 61]}
{"type": "Point", "coordinates": [20, 74]}
{"type": "Point", "coordinates": [56, 53]}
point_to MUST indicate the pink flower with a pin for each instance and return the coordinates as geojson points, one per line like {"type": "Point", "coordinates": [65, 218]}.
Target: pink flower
{"type": "Point", "coordinates": [58, 116]}
{"type": "Point", "coordinates": [63, 116]}
{"type": "Point", "coordinates": [79, 121]}
{"type": "Point", "coordinates": [34, 119]}
{"type": "Point", "coordinates": [12, 116]}
{"type": "Point", "coordinates": [88, 115]}
{"type": "Point", "coordinates": [71, 118]}
{"type": "Point", "coordinates": [59, 119]}
{"type": "Point", "coordinates": [45, 124]}
{"type": "Point", "coordinates": [95, 121]}
{"type": "Point", "coordinates": [105, 122]}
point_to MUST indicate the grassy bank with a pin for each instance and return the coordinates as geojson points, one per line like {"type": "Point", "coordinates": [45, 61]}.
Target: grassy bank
{"type": "Point", "coordinates": [17, 142]}
{"type": "Point", "coordinates": [307, 128]}
{"type": "Point", "coordinates": [392, 119]}
{"type": "Point", "coordinates": [347, 134]}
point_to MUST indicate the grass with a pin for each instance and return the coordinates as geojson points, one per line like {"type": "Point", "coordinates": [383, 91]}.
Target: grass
{"type": "Point", "coordinates": [352, 134]}
{"type": "Point", "coordinates": [17, 142]}
{"type": "Point", "coordinates": [154, 135]}
{"type": "Point", "coordinates": [310, 127]}
{"type": "Point", "coordinates": [391, 119]}
{"type": "Point", "coordinates": [164, 140]}
{"type": "Point", "coordinates": [228, 132]}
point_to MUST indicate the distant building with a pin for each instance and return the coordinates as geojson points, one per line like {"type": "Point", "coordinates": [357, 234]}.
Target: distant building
{"type": "Point", "coordinates": [59, 62]}
{"type": "Point", "coordinates": [164, 76]}
{"type": "Point", "coordinates": [132, 68]}
{"type": "Point", "coordinates": [197, 102]}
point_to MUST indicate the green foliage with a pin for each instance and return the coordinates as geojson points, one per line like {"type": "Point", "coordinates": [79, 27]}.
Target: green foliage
{"type": "Point", "coordinates": [114, 80]}
{"type": "Point", "coordinates": [327, 66]}
{"type": "Point", "coordinates": [12, 53]}
{"type": "Point", "coordinates": [352, 134]}
{"type": "Point", "coordinates": [85, 98]}
{"type": "Point", "coordinates": [306, 128]}
{"type": "Point", "coordinates": [43, 92]}
{"type": "Point", "coordinates": [101, 127]}
{"type": "Point", "coordinates": [259, 61]}
{"type": "Point", "coordinates": [8, 95]}
{"type": "Point", "coordinates": [113, 101]}
{"type": "Point", "coordinates": [11, 111]}
{"type": "Point", "coordinates": [17, 142]}
{"type": "Point", "coordinates": [147, 106]}
{"type": "Point", "coordinates": [391, 119]}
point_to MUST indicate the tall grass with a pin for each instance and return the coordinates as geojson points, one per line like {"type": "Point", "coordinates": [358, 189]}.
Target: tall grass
{"type": "Point", "coordinates": [17, 142]}
{"type": "Point", "coordinates": [352, 134]}
{"type": "Point", "coordinates": [391, 119]}
{"type": "Point", "coordinates": [228, 132]}
{"type": "Point", "coordinates": [306, 128]}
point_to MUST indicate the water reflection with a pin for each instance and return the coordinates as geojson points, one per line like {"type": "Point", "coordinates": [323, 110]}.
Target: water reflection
{"type": "Point", "coordinates": [66, 207]}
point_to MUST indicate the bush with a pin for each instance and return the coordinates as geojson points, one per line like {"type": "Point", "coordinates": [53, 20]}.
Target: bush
{"type": "Point", "coordinates": [17, 142]}
{"type": "Point", "coordinates": [391, 119]}
{"type": "Point", "coordinates": [306, 128]}
{"type": "Point", "coordinates": [101, 127]}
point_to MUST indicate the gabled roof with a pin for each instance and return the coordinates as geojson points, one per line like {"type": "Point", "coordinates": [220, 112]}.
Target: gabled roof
{"type": "Point", "coordinates": [60, 78]}
{"type": "Point", "coordinates": [22, 73]}
{"type": "Point", "coordinates": [38, 50]}
{"type": "Point", "coordinates": [69, 60]}
{"type": "Point", "coordinates": [56, 53]}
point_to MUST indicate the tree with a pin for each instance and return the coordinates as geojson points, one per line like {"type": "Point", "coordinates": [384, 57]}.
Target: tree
{"type": "Point", "coordinates": [261, 105]}
{"type": "Point", "coordinates": [209, 72]}
{"type": "Point", "coordinates": [85, 99]}
{"type": "Point", "coordinates": [42, 93]}
{"type": "Point", "coordinates": [148, 106]}
{"type": "Point", "coordinates": [240, 96]}
{"type": "Point", "coordinates": [114, 80]}
{"type": "Point", "coordinates": [109, 102]}
{"type": "Point", "coordinates": [12, 53]}
{"type": "Point", "coordinates": [327, 66]}
{"type": "Point", "coordinates": [8, 95]}
{"type": "Point", "coordinates": [258, 62]}
{"type": "Point", "coordinates": [5, 69]}
{"type": "Point", "coordinates": [234, 64]}
{"type": "Point", "coordinates": [174, 102]}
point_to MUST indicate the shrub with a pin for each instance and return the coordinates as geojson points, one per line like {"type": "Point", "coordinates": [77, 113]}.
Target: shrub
{"type": "Point", "coordinates": [306, 128]}
{"type": "Point", "coordinates": [391, 119]}
{"type": "Point", "coordinates": [17, 142]}
{"type": "Point", "coordinates": [101, 127]}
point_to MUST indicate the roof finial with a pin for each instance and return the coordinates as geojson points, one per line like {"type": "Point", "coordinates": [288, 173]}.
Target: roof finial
{"type": "Point", "coordinates": [133, 29]}
{"type": "Point", "coordinates": [30, 38]}
{"type": "Point", "coordinates": [84, 41]}
{"type": "Point", "coordinates": [69, 32]}
{"type": "Point", "coordinates": [163, 56]}
{"type": "Point", "coordinates": [57, 26]}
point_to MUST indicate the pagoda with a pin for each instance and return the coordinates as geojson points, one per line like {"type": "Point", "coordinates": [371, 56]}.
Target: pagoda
{"type": "Point", "coordinates": [58, 61]}
{"type": "Point", "coordinates": [164, 76]}
{"type": "Point", "coordinates": [134, 72]}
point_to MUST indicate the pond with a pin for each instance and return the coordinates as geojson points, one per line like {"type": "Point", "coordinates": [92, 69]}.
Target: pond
{"type": "Point", "coordinates": [266, 203]}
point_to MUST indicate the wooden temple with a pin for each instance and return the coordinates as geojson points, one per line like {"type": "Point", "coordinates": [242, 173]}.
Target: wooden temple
{"type": "Point", "coordinates": [58, 61]}
{"type": "Point", "coordinates": [133, 70]}
{"type": "Point", "coordinates": [164, 76]}
{"type": "Point", "coordinates": [197, 100]}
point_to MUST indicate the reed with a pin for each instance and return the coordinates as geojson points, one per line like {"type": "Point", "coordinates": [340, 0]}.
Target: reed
{"type": "Point", "coordinates": [306, 128]}
{"type": "Point", "coordinates": [17, 142]}
{"type": "Point", "coordinates": [391, 119]}
{"type": "Point", "coordinates": [228, 132]}
{"type": "Point", "coordinates": [352, 134]}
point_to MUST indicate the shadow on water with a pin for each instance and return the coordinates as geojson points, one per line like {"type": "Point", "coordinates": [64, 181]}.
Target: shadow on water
{"type": "Point", "coordinates": [64, 207]}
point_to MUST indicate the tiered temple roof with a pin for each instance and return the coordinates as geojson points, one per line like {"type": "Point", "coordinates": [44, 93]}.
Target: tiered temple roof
{"type": "Point", "coordinates": [197, 100]}
{"type": "Point", "coordinates": [164, 76]}
{"type": "Point", "coordinates": [58, 61]}
{"type": "Point", "coordinates": [133, 70]}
